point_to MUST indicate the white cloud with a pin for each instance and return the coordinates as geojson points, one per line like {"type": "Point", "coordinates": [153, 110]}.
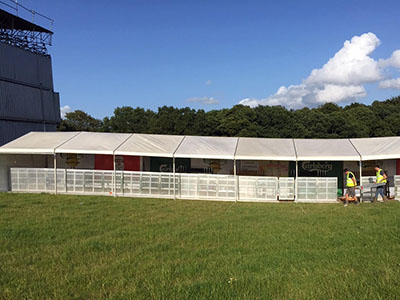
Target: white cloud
{"type": "Point", "coordinates": [390, 84]}
{"type": "Point", "coordinates": [341, 79]}
{"type": "Point", "coordinates": [203, 100]}
{"type": "Point", "coordinates": [252, 102]}
{"type": "Point", "coordinates": [291, 97]}
{"type": "Point", "coordinates": [64, 110]}
{"type": "Point", "coordinates": [393, 61]}
{"type": "Point", "coordinates": [208, 82]}
{"type": "Point", "coordinates": [351, 65]}
{"type": "Point", "coordinates": [336, 93]}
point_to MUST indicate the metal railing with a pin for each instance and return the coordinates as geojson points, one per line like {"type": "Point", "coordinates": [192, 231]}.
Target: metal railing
{"type": "Point", "coordinates": [17, 8]}
{"type": "Point", "coordinates": [33, 37]}
{"type": "Point", "coordinates": [187, 186]}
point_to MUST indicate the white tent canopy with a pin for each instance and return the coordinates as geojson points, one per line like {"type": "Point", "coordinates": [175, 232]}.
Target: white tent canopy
{"type": "Point", "coordinates": [207, 147]}
{"type": "Point", "coordinates": [94, 143]}
{"type": "Point", "coordinates": [325, 149]}
{"type": "Point", "coordinates": [378, 148]}
{"type": "Point", "coordinates": [37, 143]}
{"type": "Point", "coordinates": [150, 145]}
{"type": "Point", "coordinates": [265, 149]}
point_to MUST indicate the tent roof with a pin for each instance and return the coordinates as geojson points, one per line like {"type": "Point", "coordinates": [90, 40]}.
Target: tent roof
{"type": "Point", "coordinates": [265, 149]}
{"type": "Point", "coordinates": [325, 149]}
{"type": "Point", "coordinates": [37, 143]}
{"type": "Point", "coordinates": [378, 148]}
{"type": "Point", "coordinates": [207, 147]}
{"type": "Point", "coordinates": [150, 145]}
{"type": "Point", "coordinates": [94, 143]}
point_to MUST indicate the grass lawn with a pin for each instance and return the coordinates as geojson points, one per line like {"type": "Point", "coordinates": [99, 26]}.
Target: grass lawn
{"type": "Point", "coordinates": [91, 247]}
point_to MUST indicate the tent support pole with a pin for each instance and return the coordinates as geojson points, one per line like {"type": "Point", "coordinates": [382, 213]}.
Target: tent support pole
{"type": "Point", "coordinates": [296, 182]}
{"type": "Point", "coordinates": [361, 200]}
{"type": "Point", "coordinates": [115, 178]}
{"type": "Point", "coordinates": [55, 172]}
{"type": "Point", "coordinates": [236, 182]}
{"type": "Point", "coordinates": [173, 169]}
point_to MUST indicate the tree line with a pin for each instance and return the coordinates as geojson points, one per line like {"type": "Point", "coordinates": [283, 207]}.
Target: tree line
{"type": "Point", "coordinates": [381, 118]}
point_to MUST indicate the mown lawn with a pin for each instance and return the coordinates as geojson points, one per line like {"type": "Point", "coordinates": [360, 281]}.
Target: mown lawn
{"type": "Point", "coordinates": [90, 247]}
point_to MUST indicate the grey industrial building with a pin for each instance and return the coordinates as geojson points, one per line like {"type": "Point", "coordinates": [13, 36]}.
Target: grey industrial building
{"type": "Point", "coordinates": [27, 98]}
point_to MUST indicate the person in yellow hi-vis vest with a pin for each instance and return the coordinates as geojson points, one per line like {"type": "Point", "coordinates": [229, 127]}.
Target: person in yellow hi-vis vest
{"type": "Point", "coordinates": [380, 178]}
{"type": "Point", "coordinates": [351, 184]}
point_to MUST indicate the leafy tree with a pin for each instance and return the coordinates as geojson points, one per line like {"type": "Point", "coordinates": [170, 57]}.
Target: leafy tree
{"type": "Point", "coordinates": [238, 121]}
{"type": "Point", "coordinates": [327, 121]}
{"type": "Point", "coordinates": [78, 120]}
{"type": "Point", "coordinates": [128, 119]}
{"type": "Point", "coordinates": [329, 108]}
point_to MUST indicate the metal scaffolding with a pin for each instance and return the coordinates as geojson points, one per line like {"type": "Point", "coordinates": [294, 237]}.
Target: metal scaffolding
{"type": "Point", "coordinates": [21, 33]}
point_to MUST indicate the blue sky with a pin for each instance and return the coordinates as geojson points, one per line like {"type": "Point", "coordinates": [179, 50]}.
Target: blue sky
{"type": "Point", "coordinates": [153, 53]}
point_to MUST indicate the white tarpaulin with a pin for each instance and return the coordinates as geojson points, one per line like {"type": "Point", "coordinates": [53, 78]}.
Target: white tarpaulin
{"type": "Point", "coordinates": [265, 149]}
{"type": "Point", "coordinates": [378, 148]}
{"type": "Point", "coordinates": [207, 147]}
{"type": "Point", "coordinates": [37, 143]}
{"type": "Point", "coordinates": [150, 145]}
{"type": "Point", "coordinates": [94, 143]}
{"type": "Point", "coordinates": [325, 149]}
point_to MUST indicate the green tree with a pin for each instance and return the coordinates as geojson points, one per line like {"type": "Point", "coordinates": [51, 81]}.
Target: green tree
{"type": "Point", "coordinates": [78, 120]}
{"type": "Point", "coordinates": [238, 121]}
{"type": "Point", "coordinates": [128, 119]}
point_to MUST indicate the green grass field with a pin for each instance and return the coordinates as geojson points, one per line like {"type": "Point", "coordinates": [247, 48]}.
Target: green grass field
{"type": "Point", "coordinates": [90, 247]}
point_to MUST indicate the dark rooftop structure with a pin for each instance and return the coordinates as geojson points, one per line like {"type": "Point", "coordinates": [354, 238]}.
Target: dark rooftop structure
{"type": "Point", "coordinates": [28, 101]}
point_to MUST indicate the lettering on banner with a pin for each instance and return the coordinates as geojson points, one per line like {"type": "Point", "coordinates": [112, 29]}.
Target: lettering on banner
{"type": "Point", "coordinates": [314, 166]}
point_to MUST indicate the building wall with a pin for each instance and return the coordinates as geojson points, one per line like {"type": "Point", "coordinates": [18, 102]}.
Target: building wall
{"type": "Point", "coordinates": [27, 98]}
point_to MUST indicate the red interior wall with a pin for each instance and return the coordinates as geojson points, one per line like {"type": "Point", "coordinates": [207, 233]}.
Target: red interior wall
{"type": "Point", "coordinates": [105, 162]}
{"type": "Point", "coordinates": [131, 163]}
{"type": "Point", "coordinates": [398, 167]}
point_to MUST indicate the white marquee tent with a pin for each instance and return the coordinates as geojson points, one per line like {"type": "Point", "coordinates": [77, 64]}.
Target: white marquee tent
{"type": "Point", "coordinates": [227, 148]}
